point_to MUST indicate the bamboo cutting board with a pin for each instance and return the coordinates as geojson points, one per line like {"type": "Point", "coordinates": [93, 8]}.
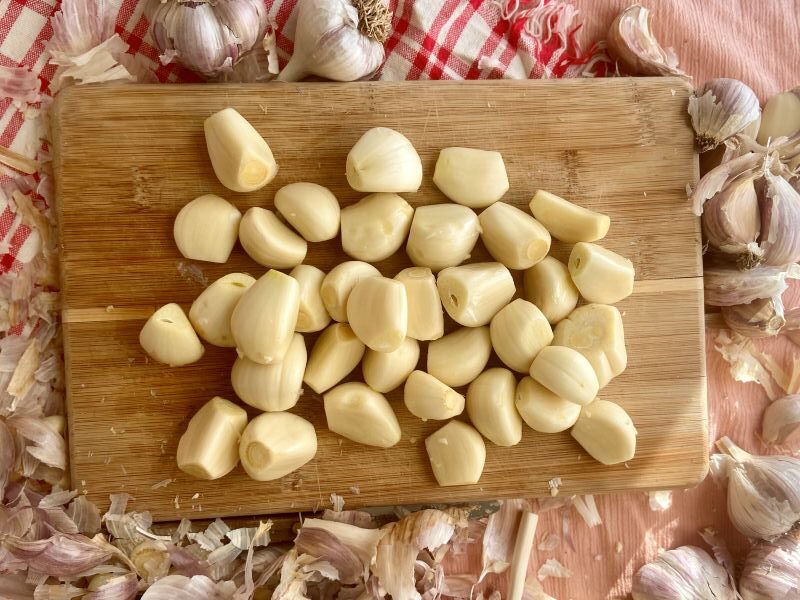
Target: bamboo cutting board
{"type": "Point", "coordinates": [128, 157]}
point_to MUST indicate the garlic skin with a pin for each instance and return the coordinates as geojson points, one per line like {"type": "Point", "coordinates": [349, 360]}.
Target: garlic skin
{"type": "Point", "coordinates": [311, 209]}
{"type": "Point", "coordinates": [338, 39]}
{"type": "Point", "coordinates": [210, 314]}
{"type": "Point", "coordinates": [376, 226]}
{"type": "Point", "coordinates": [206, 229]}
{"type": "Point", "coordinates": [759, 318]}
{"type": "Point", "coordinates": [728, 286]}
{"type": "Point", "coordinates": [772, 569]}
{"type": "Point", "coordinates": [635, 48]}
{"type": "Point", "coordinates": [781, 116]}
{"type": "Point", "coordinates": [781, 419]}
{"type": "Point", "coordinates": [720, 109]}
{"type": "Point", "coordinates": [442, 235]}
{"type": "Point", "coordinates": [780, 220]}
{"type": "Point", "coordinates": [732, 221]}
{"type": "Point", "coordinates": [383, 160]}
{"type": "Point", "coordinates": [792, 327]}
{"type": "Point", "coordinates": [685, 573]}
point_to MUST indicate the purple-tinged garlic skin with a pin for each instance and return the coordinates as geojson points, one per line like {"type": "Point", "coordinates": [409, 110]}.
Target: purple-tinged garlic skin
{"type": "Point", "coordinates": [760, 318]}
{"type": "Point", "coordinates": [732, 221]}
{"type": "Point", "coordinates": [772, 569]}
{"type": "Point", "coordinates": [779, 204]}
{"type": "Point", "coordinates": [781, 419]}
{"type": "Point", "coordinates": [683, 573]}
{"type": "Point", "coordinates": [720, 109]}
{"type": "Point", "coordinates": [729, 286]}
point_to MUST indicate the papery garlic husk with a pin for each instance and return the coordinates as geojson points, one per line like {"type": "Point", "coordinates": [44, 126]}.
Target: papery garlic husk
{"type": "Point", "coordinates": [732, 221]}
{"type": "Point", "coordinates": [721, 108]}
{"type": "Point", "coordinates": [685, 573]}
{"type": "Point", "coordinates": [781, 419]}
{"type": "Point", "coordinates": [718, 178]}
{"type": "Point", "coordinates": [632, 44]}
{"type": "Point", "coordinates": [759, 318]}
{"type": "Point", "coordinates": [780, 220]}
{"type": "Point", "coordinates": [763, 491]}
{"type": "Point", "coordinates": [207, 37]}
{"type": "Point", "coordinates": [772, 569]}
{"type": "Point", "coordinates": [792, 327]}
{"type": "Point", "coordinates": [728, 286]}
{"type": "Point", "coordinates": [338, 39]}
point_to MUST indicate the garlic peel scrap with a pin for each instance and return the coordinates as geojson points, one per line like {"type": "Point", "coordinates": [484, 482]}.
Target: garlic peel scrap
{"type": "Point", "coordinates": [632, 43]}
{"type": "Point", "coordinates": [721, 108]}
{"type": "Point", "coordinates": [781, 419]}
{"type": "Point", "coordinates": [685, 572]}
{"type": "Point", "coordinates": [772, 569]}
{"type": "Point", "coordinates": [718, 177]}
{"type": "Point", "coordinates": [62, 555]}
{"type": "Point", "coordinates": [760, 318]}
{"type": "Point", "coordinates": [180, 587]}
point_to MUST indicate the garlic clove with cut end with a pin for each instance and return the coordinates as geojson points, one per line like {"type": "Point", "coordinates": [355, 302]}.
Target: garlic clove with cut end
{"type": "Point", "coordinates": [425, 313]}
{"type": "Point", "coordinates": [209, 448]}
{"type": "Point", "coordinates": [601, 276]}
{"type": "Point", "coordinates": [760, 318]}
{"type": "Point", "coordinates": [781, 117]}
{"type": "Point", "coordinates": [720, 109]}
{"type": "Point", "coordinates": [210, 314]}
{"type": "Point", "coordinates": [377, 310]}
{"type": "Point", "coordinates": [472, 177]}
{"type": "Point", "coordinates": [606, 432]}
{"type": "Point", "coordinates": [566, 221]}
{"type": "Point", "coordinates": [269, 242]}
{"type": "Point", "coordinates": [312, 315]}
{"type": "Point", "coordinates": [548, 285]}
{"type": "Point", "coordinates": [311, 209]}
{"type": "Point", "coordinates": [519, 331]}
{"type": "Point", "coordinates": [490, 406]}
{"type": "Point", "coordinates": [442, 235]}
{"type": "Point", "coordinates": [781, 419]}
{"type": "Point", "coordinates": [542, 410]}
{"type": "Point", "coordinates": [168, 337]}
{"type": "Point", "coordinates": [632, 44]}
{"type": "Point", "coordinates": [459, 357]}
{"type": "Point", "coordinates": [336, 353]}
{"type": "Point", "coordinates": [385, 371]}
{"type": "Point", "coordinates": [566, 373]}
{"type": "Point", "coordinates": [384, 160]}
{"type": "Point", "coordinates": [241, 158]}
{"type": "Point", "coordinates": [428, 398]}
{"type": "Point", "coordinates": [339, 283]}
{"type": "Point", "coordinates": [513, 237]}
{"type": "Point", "coordinates": [362, 415]}
{"type": "Point", "coordinates": [275, 444]}
{"type": "Point", "coordinates": [473, 294]}
{"type": "Point", "coordinates": [457, 454]}
{"type": "Point", "coordinates": [376, 226]}
{"type": "Point", "coordinates": [206, 229]}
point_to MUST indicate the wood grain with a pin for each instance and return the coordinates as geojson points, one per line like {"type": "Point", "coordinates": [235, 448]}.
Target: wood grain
{"type": "Point", "coordinates": [128, 157]}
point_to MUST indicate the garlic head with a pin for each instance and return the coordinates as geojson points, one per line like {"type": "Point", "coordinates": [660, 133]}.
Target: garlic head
{"type": "Point", "coordinates": [686, 572]}
{"type": "Point", "coordinates": [720, 109]}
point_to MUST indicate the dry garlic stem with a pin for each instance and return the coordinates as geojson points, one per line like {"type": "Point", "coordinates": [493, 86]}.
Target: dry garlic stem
{"type": "Point", "coordinates": [425, 313]}
{"type": "Point", "coordinates": [542, 410]}
{"type": "Point", "coordinates": [336, 353]}
{"type": "Point", "coordinates": [519, 331]}
{"type": "Point", "coordinates": [377, 310]}
{"type": "Point", "coordinates": [312, 315]}
{"type": "Point", "coordinates": [272, 387]}
{"type": "Point", "coordinates": [457, 454]}
{"type": "Point", "coordinates": [474, 178]}
{"type": "Point", "coordinates": [376, 226]}
{"type": "Point", "coordinates": [720, 109]}
{"type": "Point", "coordinates": [211, 312]}
{"type": "Point", "coordinates": [600, 275]}
{"type": "Point", "coordinates": [311, 209]}
{"type": "Point", "coordinates": [241, 158]}
{"type": "Point", "coordinates": [206, 229]}
{"type": "Point", "coordinates": [383, 160]}
{"type": "Point", "coordinates": [490, 406]}
{"type": "Point", "coordinates": [168, 337]}
{"type": "Point", "coordinates": [428, 398]}
{"type": "Point", "coordinates": [269, 242]}
{"type": "Point", "coordinates": [459, 357]}
{"type": "Point", "coordinates": [385, 371]}
{"type": "Point", "coordinates": [606, 432]}
{"type": "Point", "coordinates": [781, 116]}
{"type": "Point", "coordinates": [263, 321]}
{"type": "Point", "coordinates": [442, 235]}
{"type": "Point", "coordinates": [209, 448]}
{"type": "Point", "coordinates": [566, 221]}
{"type": "Point", "coordinates": [362, 415]}
{"type": "Point", "coordinates": [549, 286]}
{"type": "Point", "coordinates": [513, 237]}
{"type": "Point", "coordinates": [566, 373]}
{"type": "Point", "coordinates": [339, 282]}
{"type": "Point", "coordinates": [275, 444]}
{"type": "Point", "coordinates": [472, 294]}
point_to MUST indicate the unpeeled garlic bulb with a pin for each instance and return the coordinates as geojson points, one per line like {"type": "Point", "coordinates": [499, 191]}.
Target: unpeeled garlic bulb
{"type": "Point", "coordinates": [338, 39]}
{"type": "Point", "coordinates": [635, 48]}
{"type": "Point", "coordinates": [772, 569]}
{"type": "Point", "coordinates": [383, 160]}
{"type": "Point", "coordinates": [720, 109]}
{"type": "Point", "coordinates": [685, 573]}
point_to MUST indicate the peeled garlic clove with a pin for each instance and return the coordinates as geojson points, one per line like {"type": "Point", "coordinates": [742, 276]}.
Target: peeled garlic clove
{"type": "Point", "coordinates": [275, 444]}
{"type": "Point", "coordinates": [57, 423]}
{"type": "Point", "coordinates": [566, 373]}
{"type": "Point", "coordinates": [512, 236]}
{"type": "Point", "coordinates": [732, 221]}
{"type": "Point", "coordinates": [428, 398]}
{"type": "Point", "coordinates": [601, 276]}
{"type": "Point", "coordinates": [385, 371]}
{"type": "Point", "coordinates": [566, 221]}
{"type": "Point", "coordinates": [472, 294]}
{"type": "Point", "coordinates": [383, 160]}
{"type": "Point", "coordinates": [206, 229]}
{"type": "Point", "coordinates": [780, 220]}
{"type": "Point", "coordinates": [376, 226]}
{"type": "Point", "coordinates": [542, 410]}
{"type": "Point", "coordinates": [442, 235]}
{"type": "Point", "coordinates": [634, 47]}
{"type": "Point", "coordinates": [781, 117]}
{"type": "Point", "coordinates": [729, 286]}
{"type": "Point", "coordinates": [263, 321]}
{"type": "Point", "coordinates": [720, 109]}
{"type": "Point", "coordinates": [312, 315]}
{"type": "Point", "coordinates": [336, 353]}
{"type": "Point", "coordinates": [549, 286]}
{"type": "Point", "coordinates": [209, 448]}
{"type": "Point", "coordinates": [596, 331]}
{"type": "Point", "coordinates": [472, 177]}
{"type": "Point", "coordinates": [459, 357]}
{"type": "Point", "coordinates": [211, 312]}
{"type": "Point", "coordinates": [518, 332]}
{"type": "Point", "coordinates": [684, 572]}
{"type": "Point", "coordinates": [490, 406]}
{"type": "Point", "coordinates": [339, 282]}
{"type": "Point", "coordinates": [168, 337]}
{"type": "Point", "coordinates": [759, 318]}
{"type": "Point", "coordinates": [271, 387]}
{"type": "Point", "coordinates": [377, 310]}
{"type": "Point", "coordinates": [606, 432]}
{"type": "Point", "coordinates": [425, 313]}
{"type": "Point", "coordinates": [241, 158]}
{"type": "Point", "coordinates": [781, 419]}
{"type": "Point", "coordinates": [311, 209]}
{"type": "Point", "coordinates": [362, 415]}
{"type": "Point", "coordinates": [269, 242]}
{"type": "Point", "coordinates": [457, 454]}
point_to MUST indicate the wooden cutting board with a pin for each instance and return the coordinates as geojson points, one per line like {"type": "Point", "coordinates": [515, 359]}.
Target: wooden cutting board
{"type": "Point", "coordinates": [127, 157]}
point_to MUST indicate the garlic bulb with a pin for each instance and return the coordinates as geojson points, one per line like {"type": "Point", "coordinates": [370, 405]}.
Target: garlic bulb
{"type": "Point", "coordinates": [759, 318]}
{"type": "Point", "coordinates": [635, 48]}
{"type": "Point", "coordinates": [728, 286]}
{"type": "Point", "coordinates": [781, 419]}
{"type": "Point", "coordinates": [207, 37]}
{"type": "Point", "coordinates": [720, 109]}
{"type": "Point", "coordinates": [732, 221]}
{"type": "Point", "coordinates": [780, 220]}
{"type": "Point", "coordinates": [685, 573]}
{"type": "Point", "coordinates": [763, 491]}
{"type": "Point", "coordinates": [338, 39]}
{"type": "Point", "coordinates": [772, 569]}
